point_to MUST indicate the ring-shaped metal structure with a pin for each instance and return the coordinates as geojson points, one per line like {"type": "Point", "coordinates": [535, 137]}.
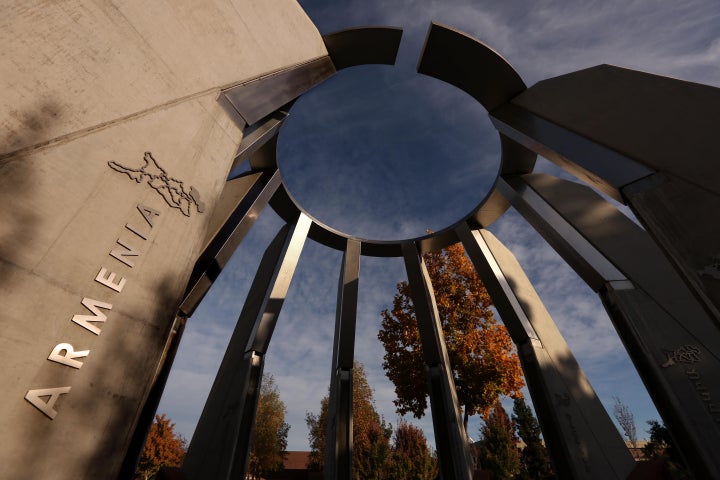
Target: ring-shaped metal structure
{"type": "Point", "coordinates": [455, 58]}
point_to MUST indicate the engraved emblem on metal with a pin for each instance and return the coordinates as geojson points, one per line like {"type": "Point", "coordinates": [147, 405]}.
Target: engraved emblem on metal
{"type": "Point", "coordinates": [684, 354]}
{"type": "Point", "coordinates": [170, 189]}
{"type": "Point", "coordinates": [563, 400]}
{"type": "Point", "coordinates": [712, 269]}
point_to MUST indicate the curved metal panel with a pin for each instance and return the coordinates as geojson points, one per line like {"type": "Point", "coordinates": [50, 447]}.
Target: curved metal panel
{"type": "Point", "coordinates": [452, 57]}
{"type": "Point", "coordinates": [258, 98]}
{"type": "Point", "coordinates": [363, 45]}
{"type": "Point", "coordinates": [470, 65]}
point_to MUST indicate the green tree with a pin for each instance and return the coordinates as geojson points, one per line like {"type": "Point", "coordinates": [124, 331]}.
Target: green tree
{"type": "Point", "coordinates": [484, 362]}
{"type": "Point", "coordinates": [411, 459]}
{"type": "Point", "coordinates": [534, 459]}
{"type": "Point", "coordinates": [371, 435]}
{"type": "Point", "coordinates": [163, 448]}
{"type": "Point", "coordinates": [498, 451]}
{"type": "Point", "coordinates": [661, 445]}
{"type": "Point", "coordinates": [269, 440]}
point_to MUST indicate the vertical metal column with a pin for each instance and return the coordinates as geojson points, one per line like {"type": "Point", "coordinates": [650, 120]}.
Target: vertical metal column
{"type": "Point", "coordinates": [235, 213]}
{"type": "Point", "coordinates": [241, 217]}
{"type": "Point", "coordinates": [670, 337]}
{"type": "Point", "coordinates": [339, 446]}
{"type": "Point", "coordinates": [581, 437]}
{"type": "Point", "coordinates": [450, 436]}
{"type": "Point", "coordinates": [220, 446]}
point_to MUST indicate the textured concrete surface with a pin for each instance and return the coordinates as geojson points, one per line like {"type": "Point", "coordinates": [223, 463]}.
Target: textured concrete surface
{"type": "Point", "coordinates": [75, 65]}
{"type": "Point", "coordinates": [91, 93]}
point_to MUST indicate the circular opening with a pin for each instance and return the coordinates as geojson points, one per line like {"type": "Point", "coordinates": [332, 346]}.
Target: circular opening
{"type": "Point", "coordinates": [385, 154]}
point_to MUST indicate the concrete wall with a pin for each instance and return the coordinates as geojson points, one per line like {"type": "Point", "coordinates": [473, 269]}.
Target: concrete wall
{"type": "Point", "coordinates": [91, 93]}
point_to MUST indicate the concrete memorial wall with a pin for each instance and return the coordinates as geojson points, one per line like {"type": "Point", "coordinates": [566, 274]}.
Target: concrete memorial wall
{"type": "Point", "coordinates": [114, 151]}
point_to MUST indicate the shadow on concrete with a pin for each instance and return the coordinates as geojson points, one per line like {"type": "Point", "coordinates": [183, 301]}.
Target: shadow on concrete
{"type": "Point", "coordinates": [17, 184]}
{"type": "Point", "coordinates": [134, 370]}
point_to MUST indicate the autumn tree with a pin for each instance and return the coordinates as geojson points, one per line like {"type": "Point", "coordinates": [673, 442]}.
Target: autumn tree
{"type": "Point", "coordinates": [626, 420]}
{"type": "Point", "coordinates": [371, 435]}
{"type": "Point", "coordinates": [317, 424]}
{"type": "Point", "coordinates": [163, 448]}
{"type": "Point", "coordinates": [484, 362]}
{"type": "Point", "coordinates": [534, 458]}
{"type": "Point", "coordinates": [269, 440]}
{"type": "Point", "coordinates": [661, 445]}
{"type": "Point", "coordinates": [498, 450]}
{"type": "Point", "coordinates": [411, 459]}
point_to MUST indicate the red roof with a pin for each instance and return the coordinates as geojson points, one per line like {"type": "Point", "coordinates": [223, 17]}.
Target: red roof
{"type": "Point", "coordinates": [296, 460]}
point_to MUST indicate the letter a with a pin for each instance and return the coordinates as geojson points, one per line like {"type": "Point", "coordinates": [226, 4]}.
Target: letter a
{"type": "Point", "coordinates": [148, 214]}
{"type": "Point", "coordinates": [33, 396]}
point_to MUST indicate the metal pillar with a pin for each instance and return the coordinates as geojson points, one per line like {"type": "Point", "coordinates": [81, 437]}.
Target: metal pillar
{"type": "Point", "coordinates": [220, 446]}
{"type": "Point", "coordinates": [645, 140]}
{"type": "Point", "coordinates": [581, 437]}
{"type": "Point", "coordinates": [339, 443]}
{"type": "Point", "coordinates": [450, 436]}
{"type": "Point", "coordinates": [241, 203]}
{"type": "Point", "coordinates": [670, 337]}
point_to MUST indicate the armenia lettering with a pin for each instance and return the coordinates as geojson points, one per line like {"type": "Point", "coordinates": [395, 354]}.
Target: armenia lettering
{"type": "Point", "coordinates": [64, 353]}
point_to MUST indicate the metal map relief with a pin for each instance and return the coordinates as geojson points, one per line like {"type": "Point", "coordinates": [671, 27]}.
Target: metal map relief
{"type": "Point", "coordinates": [170, 189]}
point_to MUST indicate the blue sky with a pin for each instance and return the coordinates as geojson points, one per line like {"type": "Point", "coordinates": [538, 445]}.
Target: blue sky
{"type": "Point", "coordinates": [383, 152]}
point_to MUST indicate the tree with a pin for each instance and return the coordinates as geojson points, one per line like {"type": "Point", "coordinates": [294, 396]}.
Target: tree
{"type": "Point", "coordinates": [411, 458]}
{"type": "Point", "coordinates": [534, 459]}
{"type": "Point", "coordinates": [626, 420]}
{"type": "Point", "coordinates": [482, 356]}
{"type": "Point", "coordinates": [269, 440]}
{"type": "Point", "coordinates": [163, 448]}
{"type": "Point", "coordinates": [498, 451]}
{"type": "Point", "coordinates": [317, 424]}
{"type": "Point", "coordinates": [661, 445]}
{"type": "Point", "coordinates": [371, 435]}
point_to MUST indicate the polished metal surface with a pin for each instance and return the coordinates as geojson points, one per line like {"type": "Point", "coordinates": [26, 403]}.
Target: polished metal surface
{"type": "Point", "coordinates": [591, 265]}
{"type": "Point", "coordinates": [445, 58]}
{"type": "Point", "coordinates": [478, 250]}
{"type": "Point", "coordinates": [220, 445]}
{"type": "Point", "coordinates": [579, 433]}
{"type": "Point", "coordinates": [339, 443]}
{"type": "Point", "coordinates": [363, 46]}
{"type": "Point", "coordinates": [654, 312]}
{"type": "Point", "coordinates": [258, 98]}
{"type": "Point", "coordinates": [666, 124]}
{"type": "Point", "coordinates": [596, 164]}
{"type": "Point", "coordinates": [218, 252]}
{"type": "Point", "coordinates": [460, 60]}
{"type": "Point", "coordinates": [275, 296]}
{"type": "Point", "coordinates": [257, 135]}
{"type": "Point", "coordinates": [670, 336]}
{"type": "Point", "coordinates": [450, 436]}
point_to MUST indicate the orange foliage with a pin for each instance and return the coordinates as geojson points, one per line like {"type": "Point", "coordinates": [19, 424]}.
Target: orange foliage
{"type": "Point", "coordinates": [483, 358]}
{"type": "Point", "coordinates": [163, 448]}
